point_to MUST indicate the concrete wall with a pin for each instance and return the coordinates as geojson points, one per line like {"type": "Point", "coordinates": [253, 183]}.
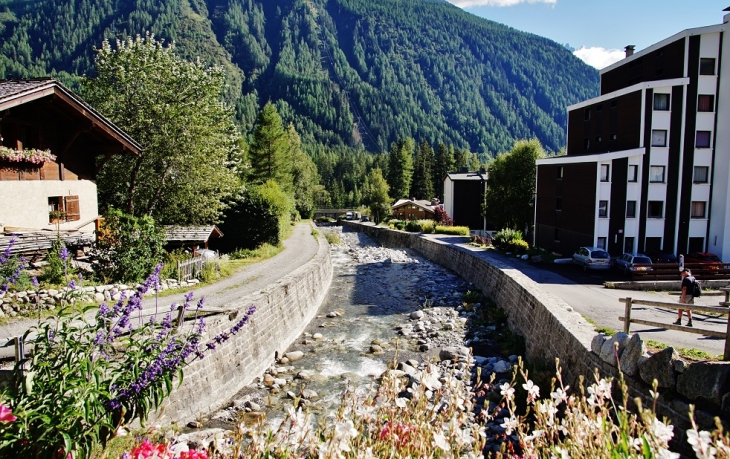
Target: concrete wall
{"type": "Point", "coordinates": [549, 325]}
{"type": "Point", "coordinates": [284, 309]}
{"type": "Point", "coordinates": [24, 203]}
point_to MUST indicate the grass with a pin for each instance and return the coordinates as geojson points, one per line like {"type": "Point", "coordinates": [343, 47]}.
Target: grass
{"type": "Point", "coordinates": [453, 230]}
{"type": "Point", "coordinates": [688, 353]}
{"type": "Point", "coordinates": [332, 238]}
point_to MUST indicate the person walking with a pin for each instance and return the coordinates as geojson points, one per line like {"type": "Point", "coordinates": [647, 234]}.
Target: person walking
{"type": "Point", "coordinates": [686, 296]}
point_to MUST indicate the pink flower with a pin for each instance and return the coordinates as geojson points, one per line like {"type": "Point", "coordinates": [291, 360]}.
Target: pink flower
{"type": "Point", "coordinates": [6, 415]}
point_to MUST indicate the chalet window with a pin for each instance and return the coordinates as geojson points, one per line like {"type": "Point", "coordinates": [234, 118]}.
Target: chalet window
{"type": "Point", "coordinates": [658, 138]}
{"type": "Point", "coordinates": [701, 174]}
{"type": "Point", "coordinates": [605, 172]}
{"type": "Point", "coordinates": [698, 209]}
{"type": "Point", "coordinates": [656, 174]}
{"type": "Point", "coordinates": [633, 173]}
{"type": "Point", "coordinates": [63, 208]}
{"type": "Point", "coordinates": [702, 139]}
{"type": "Point", "coordinates": [603, 209]}
{"type": "Point", "coordinates": [629, 244]}
{"type": "Point", "coordinates": [630, 209]}
{"type": "Point", "coordinates": [661, 101]}
{"type": "Point", "coordinates": [705, 103]}
{"type": "Point", "coordinates": [707, 66]}
{"type": "Point", "coordinates": [655, 209]}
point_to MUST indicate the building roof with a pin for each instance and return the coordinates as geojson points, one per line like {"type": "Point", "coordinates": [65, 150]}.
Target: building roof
{"type": "Point", "coordinates": [20, 91]}
{"type": "Point", "coordinates": [191, 234]}
{"type": "Point", "coordinates": [477, 175]}
{"type": "Point", "coordinates": [40, 241]}
{"type": "Point", "coordinates": [591, 157]}
{"type": "Point", "coordinates": [422, 203]}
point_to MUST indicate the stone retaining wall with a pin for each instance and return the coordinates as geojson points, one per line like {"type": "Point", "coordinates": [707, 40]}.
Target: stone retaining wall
{"type": "Point", "coordinates": [283, 311]}
{"type": "Point", "coordinates": [550, 326]}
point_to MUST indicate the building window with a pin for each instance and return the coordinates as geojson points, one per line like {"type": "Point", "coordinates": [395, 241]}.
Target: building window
{"type": "Point", "coordinates": [603, 209]}
{"type": "Point", "coordinates": [653, 244]}
{"type": "Point", "coordinates": [557, 235]}
{"type": "Point", "coordinates": [63, 208]}
{"type": "Point", "coordinates": [698, 209]}
{"type": "Point", "coordinates": [633, 173]}
{"type": "Point", "coordinates": [614, 136]}
{"type": "Point", "coordinates": [598, 139]}
{"type": "Point", "coordinates": [587, 114]}
{"type": "Point", "coordinates": [655, 209]}
{"type": "Point", "coordinates": [601, 243]}
{"type": "Point", "coordinates": [630, 209]}
{"type": "Point", "coordinates": [560, 172]}
{"type": "Point", "coordinates": [629, 244]}
{"type": "Point", "coordinates": [705, 103]}
{"type": "Point", "coordinates": [558, 203]}
{"type": "Point", "coordinates": [605, 175]}
{"type": "Point", "coordinates": [702, 139]}
{"type": "Point", "coordinates": [656, 174]}
{"type": "Point", "coordinates": [659, 138]}
{"type": "Point", "coordinates": [586, 143]}
{"type": "Point", "coordinates": [707, 66]}
{"type": "Point", "coordinates": [696, 244]}
{"type": "Point", "coordinates": [661, 101]}
{"type": "Point", "coordinates": [701, 174]}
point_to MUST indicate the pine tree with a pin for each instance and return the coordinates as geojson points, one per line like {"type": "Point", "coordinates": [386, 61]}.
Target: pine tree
{"type": "Point", "coordinates": [444, 165]}
{"type": "Point", "coordinates": [400, 168]}
{"type": "Point", "coordinates": [422, 185]}
{"type": "Point", "coordinates": [268, 153]}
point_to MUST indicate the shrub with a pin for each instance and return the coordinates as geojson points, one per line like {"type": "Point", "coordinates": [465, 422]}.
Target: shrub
{"type": "Point", "coordinates": [56, 259]}
{"type": "Point", "coordinates": [518, 246]}
{"type": "Point", "coordinates": [503, 238]}
{"type": "Point", "coordinates": [482, 240]}
{"type": "Point", "coordinates": [442, 217]}
{"type": "Point", "coordinates": [413, 226]}
{"type": "Point", "coordinates": [397, 224]}
{"type": "Point", "coordinates": [453, 230]}
{"type": "Point", "coordinates": [11, 270]}
{"type": "Point", "coordinates": [127, 247]}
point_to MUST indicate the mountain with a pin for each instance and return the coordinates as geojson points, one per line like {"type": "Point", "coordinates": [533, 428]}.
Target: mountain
{"type": "Point", "coordinates": [345, 72]}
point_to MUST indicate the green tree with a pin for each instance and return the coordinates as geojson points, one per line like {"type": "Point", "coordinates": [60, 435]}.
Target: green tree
{"type": "Point", "coordinates": [376, 195]}
{"type": "Point", "coordinates": [303, 173]}
{"type": "Point", "coordinates": [269, 148]}
{"type": "Point", "coordinates": [400, 168]}
{"type": "Point", "coordinates": [422, 184]}
{"type": "Point", "coordinates": [173, 108]}
{"type": "Point", "coordinates": [444, 164]}
{"type": "Point", "coordinates": [511, 186]}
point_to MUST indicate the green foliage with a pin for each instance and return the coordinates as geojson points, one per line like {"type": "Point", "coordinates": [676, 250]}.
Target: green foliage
{"type": "Point", "coordinates": [400, 168]}
{"type": "Point", "coordinates": [504, 237]}
{"type": "Point", "coordinates": [413, 226]}
{"type": "Point", "coordinates": [332, 238]}
{"type": "Point", "coordinates": [71, 392]}
{"type": "Point", "coordinates": [12, 272]}
{"type": "Point", "coordinates": [511, 186]}
{"type": "Point", "coordinates": [472, 296]}
{"type": "Point", "coordinates": [452, 230]}
{"type": "Point", "coordinates": [127, 247]}
{"type": "Point", "coordinates": [377, 195]}
{"type": "Point", "coordinates": [257, 215]}
{"type": "Point", "coordinates": [173, 108]}
{"type": "Point", "coordinates": [423, 164]}
{"type": "Point", "coordinates": [518, 246]}
{"type": "Point", "coordinates": [268, 152]}
{"type": "Point", "coordinates": [169, 267]}
{"type": "Point", "coordinates": [55, 269]}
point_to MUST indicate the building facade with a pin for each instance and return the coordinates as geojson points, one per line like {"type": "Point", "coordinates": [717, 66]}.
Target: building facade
{"type": "Point", "coordinates": [648, 160]}
{"type": "Point", "coordinates": [464, 198]}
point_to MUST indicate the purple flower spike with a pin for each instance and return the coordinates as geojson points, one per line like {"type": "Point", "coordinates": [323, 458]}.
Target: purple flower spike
{"type": "Point", "coordinates": [72, 285]}
{"type": "Point", "coordinates": [188, 296]}
{"type": "Point", "coordinates": [63, 254]}
{"type": "Point", "coordinates": [34, 281]}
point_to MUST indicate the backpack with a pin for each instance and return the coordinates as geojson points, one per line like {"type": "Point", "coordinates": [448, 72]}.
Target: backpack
{"type": "Point", "coordinates": [696, 289]}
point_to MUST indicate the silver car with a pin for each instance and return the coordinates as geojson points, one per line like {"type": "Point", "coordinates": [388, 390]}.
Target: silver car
{"type": "Point", "coordinates": [628, 262]}
{"type": "Point", "coordinates": [592, 258]}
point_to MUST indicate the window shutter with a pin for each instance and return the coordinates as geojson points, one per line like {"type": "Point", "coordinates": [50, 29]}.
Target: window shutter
{"type": "Point", "coordinates": [71, 204]}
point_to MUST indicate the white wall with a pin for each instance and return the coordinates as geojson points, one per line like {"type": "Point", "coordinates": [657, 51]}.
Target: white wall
{"type": "Point", "coordinates": [24, 203]}
{"type": "Point", "coordinates": [719, 241]}
{"type": "Point", "coordinates": [449, 196]}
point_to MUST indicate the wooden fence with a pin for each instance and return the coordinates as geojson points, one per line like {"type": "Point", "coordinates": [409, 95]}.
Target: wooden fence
{"type": "Point", "coordinates": [670, 271]}
{"type": "Point", "coordinates": [721, 310]}
{"type": "Point", "coordinates": [192, 268]}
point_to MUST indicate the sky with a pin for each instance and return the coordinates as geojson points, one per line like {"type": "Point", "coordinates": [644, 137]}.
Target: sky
{"type": "Point", "coordinates": [600, 29]}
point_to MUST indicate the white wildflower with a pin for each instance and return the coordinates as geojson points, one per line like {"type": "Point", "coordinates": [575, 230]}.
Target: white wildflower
{"type": "Point", "coordinates": [701, 443]}
{"type": "Point", "coordinates": [559, 395]}
{"type": "Point", "coordinates": [664, 453]}
{"type": "Point", "coordinates": [662, 431]}
{"type": "Point", "coordinates": [509, 424]}
{"type": "Point", "coordinates": [563, 454]}
{"type": "Point", "coordinates": [366, 454]}
{"type": "Point", "coordinates": [507, 391]}
{"type": "Point", "coordinates": [533, 391]}
{"type": "Point", "coordinates": [439, 440]}
{"type": "Point", "coordinates": [401, 402]}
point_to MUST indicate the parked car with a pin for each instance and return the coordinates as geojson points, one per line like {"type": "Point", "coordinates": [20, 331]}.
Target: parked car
{"type": "Point", "coordinates": [704, 258]}
{"type": "Point", "coordinates": [592, 258]}
{"type": "Point", "coordinates": [628, 262]}
{"type": "Point", "coordinates": [365, 218]}
{"type": "Point", "coordinates": [658, 256]}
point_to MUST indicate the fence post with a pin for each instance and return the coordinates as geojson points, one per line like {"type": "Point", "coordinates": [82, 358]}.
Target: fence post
{"type": "Point", "coordinates": [726, 354]}
{"type": "Point", "coordinates": [180, 316]}
{"type": "Point", "coordinates": [627, 315]}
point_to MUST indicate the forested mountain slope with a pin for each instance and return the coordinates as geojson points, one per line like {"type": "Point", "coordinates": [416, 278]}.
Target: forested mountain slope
{"type": "Point", "coordinates": [345, 72]}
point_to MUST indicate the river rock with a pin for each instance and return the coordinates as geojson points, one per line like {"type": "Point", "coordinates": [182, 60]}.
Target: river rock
{"type": "Point", "coordinates": [317, 337]}
{"type": "Point", "coordinates": [306, 375]}
{"type": "Point", "coordinates": [294, 355]}
{"type": "Point", "coordinates": [417, 315]}
{"type": "Point", "coordinates": [268, 380]}
{"type": "Point", "coordinates": [707, 381]}
{"type": "Point", "coordinates": [375, 349]}
{"type": "Point", "coordinates": [635, 348]}
{"type": "Point", "coordinates": [502, 366]}
{"type": "Point", "coordinates": [453, 353]}
{"type": "Point", "coordinates": [597, 343]}
{"type": "Point", "coordinates": [309, 394]}
{"type": "Point", "coordinates": [608, 350]}
{"type": "Point", "coordinates": [280, 382]}
{"type": "Point", "coordinates": [659, 366]}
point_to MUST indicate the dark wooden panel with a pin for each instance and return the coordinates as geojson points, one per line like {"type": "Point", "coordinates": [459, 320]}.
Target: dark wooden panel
{"type": "Point", "coordinates": [664, 63]}
{"type": "Point", "coordinates": [617, 212]}
{"type": "Point", "coordinates": [50, 171]}
{"type": "Point", "coordinates": [468, 199]}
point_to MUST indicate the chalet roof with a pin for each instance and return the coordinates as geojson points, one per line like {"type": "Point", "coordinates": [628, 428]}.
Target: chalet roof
{"type": "Point", "coordinates": [39, 241]}
{"type": "Point", "coordinates": [21, 91]}
{"type": "Point", "coordinates": [422, 203]}
{"type": "Point", "coordinates": [191, 234]}
{"type": "Point", "coordinates": [477, 175]}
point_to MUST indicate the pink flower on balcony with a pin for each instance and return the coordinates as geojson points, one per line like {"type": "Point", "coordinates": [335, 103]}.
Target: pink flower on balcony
{"type": "Point", "coordinates": [6, 415]}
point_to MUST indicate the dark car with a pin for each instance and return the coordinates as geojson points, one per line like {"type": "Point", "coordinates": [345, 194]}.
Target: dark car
{"type": "Point", "coordinates": [630, 262]}
{"type": "Point", "coordinates": [662, 257]}
{"type": "Point", "coordinates": [704, 258]}
{"type": "Point", "coordinates": [365, 218]}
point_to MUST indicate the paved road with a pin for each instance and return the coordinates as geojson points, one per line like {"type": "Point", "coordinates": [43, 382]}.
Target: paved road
{"type": "Point", "coordinates": [585, 293]}
{"type": "Point", "coordinates": [299, 248]}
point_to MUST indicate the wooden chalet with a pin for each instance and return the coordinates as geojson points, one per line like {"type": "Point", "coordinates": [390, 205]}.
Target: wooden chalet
{"type": "Point", "coordinates": [192, 237]}
{"type": "Point", "coordinates": [52, 145]}
{"type": "Point", "coordinates": [414, 209]}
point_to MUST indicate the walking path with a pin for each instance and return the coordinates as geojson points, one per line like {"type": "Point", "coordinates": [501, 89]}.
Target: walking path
{"type": "Point", "coordinates": [299, 248]}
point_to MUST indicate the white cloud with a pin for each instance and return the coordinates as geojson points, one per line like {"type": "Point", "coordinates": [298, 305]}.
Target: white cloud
{"type": "Point", "coordinates": [470, 3]}
{"type": "Point", "coordinates": [599, 57]}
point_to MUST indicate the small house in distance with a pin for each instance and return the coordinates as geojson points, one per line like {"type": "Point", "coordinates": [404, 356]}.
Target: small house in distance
{"type": "Point", "coordinates": [52, 145]}
{"type": "Point", "coordinates": [464, 194]}
{"type": "Point", "coordinates": [414, 209]}
{"type": "Point", "coordinates": [191, 237]}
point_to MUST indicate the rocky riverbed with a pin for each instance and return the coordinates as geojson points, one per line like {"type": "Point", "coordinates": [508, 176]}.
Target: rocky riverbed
{"type": "Point", "coordinates": [386, 308]}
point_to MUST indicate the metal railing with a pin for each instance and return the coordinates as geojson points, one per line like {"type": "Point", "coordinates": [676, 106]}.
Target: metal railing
{"type": "Point", "coordinates": [628, 320]}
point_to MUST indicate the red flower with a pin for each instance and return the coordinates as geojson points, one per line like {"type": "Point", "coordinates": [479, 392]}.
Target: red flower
{"type": "Point", "coordinates": [6, 415]}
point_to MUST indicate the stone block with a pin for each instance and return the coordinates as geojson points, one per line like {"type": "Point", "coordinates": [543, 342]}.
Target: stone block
{"type": "Point", "coordinates": [660, 367]}
{"type": "Point", "coordinates": [635, 348]}
{"type": "Point", "coordinates": [708, 381]}
{"type": "Point", "coordinates": [597, 343]}
{"type": "Point", "coordinates": [608, 349]}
